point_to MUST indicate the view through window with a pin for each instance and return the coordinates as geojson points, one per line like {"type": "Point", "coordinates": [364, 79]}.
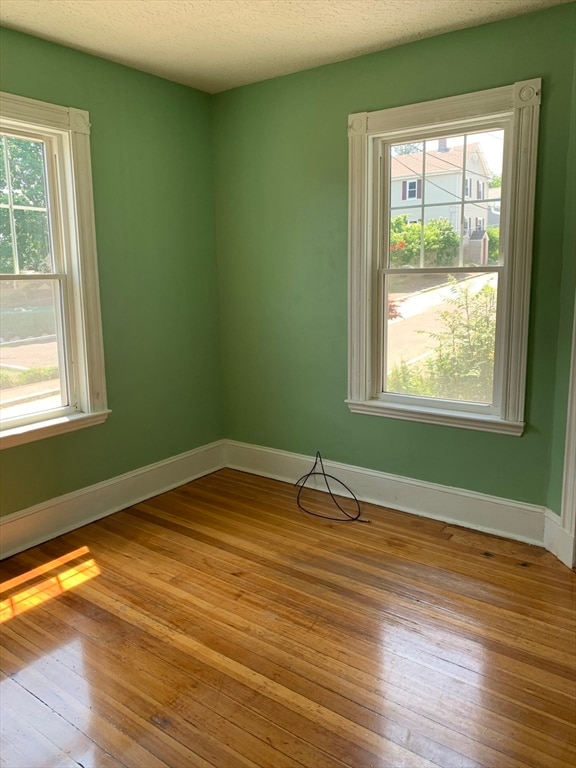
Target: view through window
{"type": "Point", "coordinates": [442, 266]}
{"type": "Point", "coordinates": [33, 376]}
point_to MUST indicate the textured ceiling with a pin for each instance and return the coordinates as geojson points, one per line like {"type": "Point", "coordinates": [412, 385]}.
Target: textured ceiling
{"type": "Point", "coordinates": [219, 44]}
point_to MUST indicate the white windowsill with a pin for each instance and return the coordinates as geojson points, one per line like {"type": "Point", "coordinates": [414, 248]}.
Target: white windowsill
{"type": "Point", "coordinates": [28, 433]}
{"type": "Point", "coordinates": [444, 418]}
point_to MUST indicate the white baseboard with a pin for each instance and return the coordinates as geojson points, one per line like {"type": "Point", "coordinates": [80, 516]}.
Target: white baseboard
{"type": "Point", "coordinates": [503, 517]}
{"type": "Point", "coordinates": [45, 521]}
{"type": "Point", "coordinates": [558, 540]}
{"type": "Point", "coordinates": [491, 514]}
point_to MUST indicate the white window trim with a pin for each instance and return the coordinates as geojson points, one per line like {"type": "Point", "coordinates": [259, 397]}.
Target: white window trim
{"type": "Point", "coordinates": [71, 127]}
{"type": "Point", "coordinates": [518, 103]}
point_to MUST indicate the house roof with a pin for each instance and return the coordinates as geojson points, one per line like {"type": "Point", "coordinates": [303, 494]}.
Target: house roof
{"type": "Point", "coordinates": [436, 162]}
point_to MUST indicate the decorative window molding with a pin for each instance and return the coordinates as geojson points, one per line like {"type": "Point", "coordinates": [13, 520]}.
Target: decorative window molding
{"type": "Point", "coordinates": [513, 110]}
{"type": "Point", "coordinates": [70, 267]}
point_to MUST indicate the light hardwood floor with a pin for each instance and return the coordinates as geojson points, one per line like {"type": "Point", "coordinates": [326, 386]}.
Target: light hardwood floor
{"type": "Point", "coordinates": [217, 625]}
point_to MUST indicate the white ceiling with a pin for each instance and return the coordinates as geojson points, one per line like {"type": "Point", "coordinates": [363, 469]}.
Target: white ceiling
{"type": "Point", "coordinates": [219, 44]}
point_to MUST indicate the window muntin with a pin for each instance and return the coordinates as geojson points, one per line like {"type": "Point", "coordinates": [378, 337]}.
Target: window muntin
{"type": "Point", "coordinates": [51, 353]}
{"type": "Point", "coordinates": [488, 249]}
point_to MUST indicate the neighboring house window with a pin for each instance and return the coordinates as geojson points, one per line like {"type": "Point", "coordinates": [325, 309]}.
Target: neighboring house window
{"type": "Point", "coordinates": [51, 353]}
{"type": "Point", "coordinates": [412, 190]}
{"type": "Point", "coordinates": [480, 190]}
{"type": "Point", "coordinates": [439, 313]}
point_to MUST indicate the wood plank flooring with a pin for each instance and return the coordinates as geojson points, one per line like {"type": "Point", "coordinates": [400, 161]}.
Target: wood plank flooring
{"type": "Point", "coordinates": [218, 626]}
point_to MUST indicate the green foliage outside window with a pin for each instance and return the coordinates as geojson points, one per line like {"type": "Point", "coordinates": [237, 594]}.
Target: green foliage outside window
{"type": "Point", "coordinates": [441, 243]}
{"type": "Point", "coordinates": [493, 245]}
{"type": "Point", "coordinates": [25, 160]}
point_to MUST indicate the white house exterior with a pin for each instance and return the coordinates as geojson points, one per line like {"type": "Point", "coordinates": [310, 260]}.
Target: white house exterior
{"type": "Point", "coordinates": [494, 197]}
{"type": "Point", "coordinates": [441, 182]}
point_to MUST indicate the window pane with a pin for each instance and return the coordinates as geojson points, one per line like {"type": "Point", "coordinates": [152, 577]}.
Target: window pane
{"type": "Point", "coordinates": [405, 242]}
{"type": "Point", "coordinates": [443, 169]}
{"type": "Point", "coordinates": [494, 255]}
{"type": "Point", "coordinates": [6, 250]}
{"type": "Point", "coordinates": [441, 240]}
{"type": "Point", "coordinates": [484, 161]}
{"type": "Point", "coordinates": [475, 239]}
{"type": "Point", "coordinates": [3, 175]}
{"type": "Point", "coordinates": [33, 242]}
{"type": "Point", "coordinates": [31, 379]}
{"type": "Point", "coordinates": [406, 178]}
{"type": "Point", "coordinates": [440, 336]}
{"type": "Point", "coordinates": [27, 172]}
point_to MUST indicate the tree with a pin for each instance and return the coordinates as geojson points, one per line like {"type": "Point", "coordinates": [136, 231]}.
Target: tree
{"type": "Point", "coordinates": [25, 159]}
{"type": "Point", "coordinates": [461, 365]}
{"type": "Point", "coordinates": [441, 243]}
{"type": "Point", "coordinates": [493, 244]}
{"type": "Point", "coordinates": [406, 149]}
{"type": "Point", "coordinates": [404, 242]}
{"type": "Point", "coordinates": [495, 181]}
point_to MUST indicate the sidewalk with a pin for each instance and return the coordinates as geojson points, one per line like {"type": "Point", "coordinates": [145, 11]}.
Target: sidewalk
{"type": "Point", "coordinates": [16, 401]}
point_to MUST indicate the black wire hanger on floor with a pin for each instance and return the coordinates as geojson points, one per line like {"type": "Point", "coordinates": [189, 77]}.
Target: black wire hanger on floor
{"type": "Point", "coordinates": [321, 472]}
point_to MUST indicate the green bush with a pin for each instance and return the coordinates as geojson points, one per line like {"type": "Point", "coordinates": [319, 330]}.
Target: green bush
{"type": "Point", "coordinates": [441, 243]}
{"type": "Point", "coordinates": [10, 378]}
{"type": "Point", "coordinates": [493, 244]}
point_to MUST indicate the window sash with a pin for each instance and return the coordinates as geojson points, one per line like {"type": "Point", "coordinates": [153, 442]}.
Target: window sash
{"type": "Point", "coordinates": [55, 205]}
{"type": "Point", "coordinates": [381, 147]}
{"type": "Point", "coordinates": [384, 395]}
{"type": "Point", "coordinates": [64, 309]}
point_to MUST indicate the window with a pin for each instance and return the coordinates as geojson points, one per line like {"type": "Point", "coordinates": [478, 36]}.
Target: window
{"type": "Point", "coordinates": [438, 310]}
{"type": "Point", "coordinates": [51, 354]}
{"type": "Point", "coordinates": [412, 189]}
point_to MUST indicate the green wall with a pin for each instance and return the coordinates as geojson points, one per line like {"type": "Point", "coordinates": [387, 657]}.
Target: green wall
{"type": "Point", "coordinates": [152, 166]}
{"type": "Point", "coordinates": [244, 335]}
{"type": "Point", "coordinates": [281, 213]}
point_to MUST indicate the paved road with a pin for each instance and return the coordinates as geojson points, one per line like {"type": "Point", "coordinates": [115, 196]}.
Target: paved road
{"type": "Point", "coordinates": [15, 401]}
{"type": "Point", "coordinates": [421, 312]}
{"type": "Point", "coordinates": [21, 356]}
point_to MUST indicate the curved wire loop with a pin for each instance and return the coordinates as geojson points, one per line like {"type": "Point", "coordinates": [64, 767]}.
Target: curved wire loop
{"type": "Point", "coordinates": [314, 472]}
